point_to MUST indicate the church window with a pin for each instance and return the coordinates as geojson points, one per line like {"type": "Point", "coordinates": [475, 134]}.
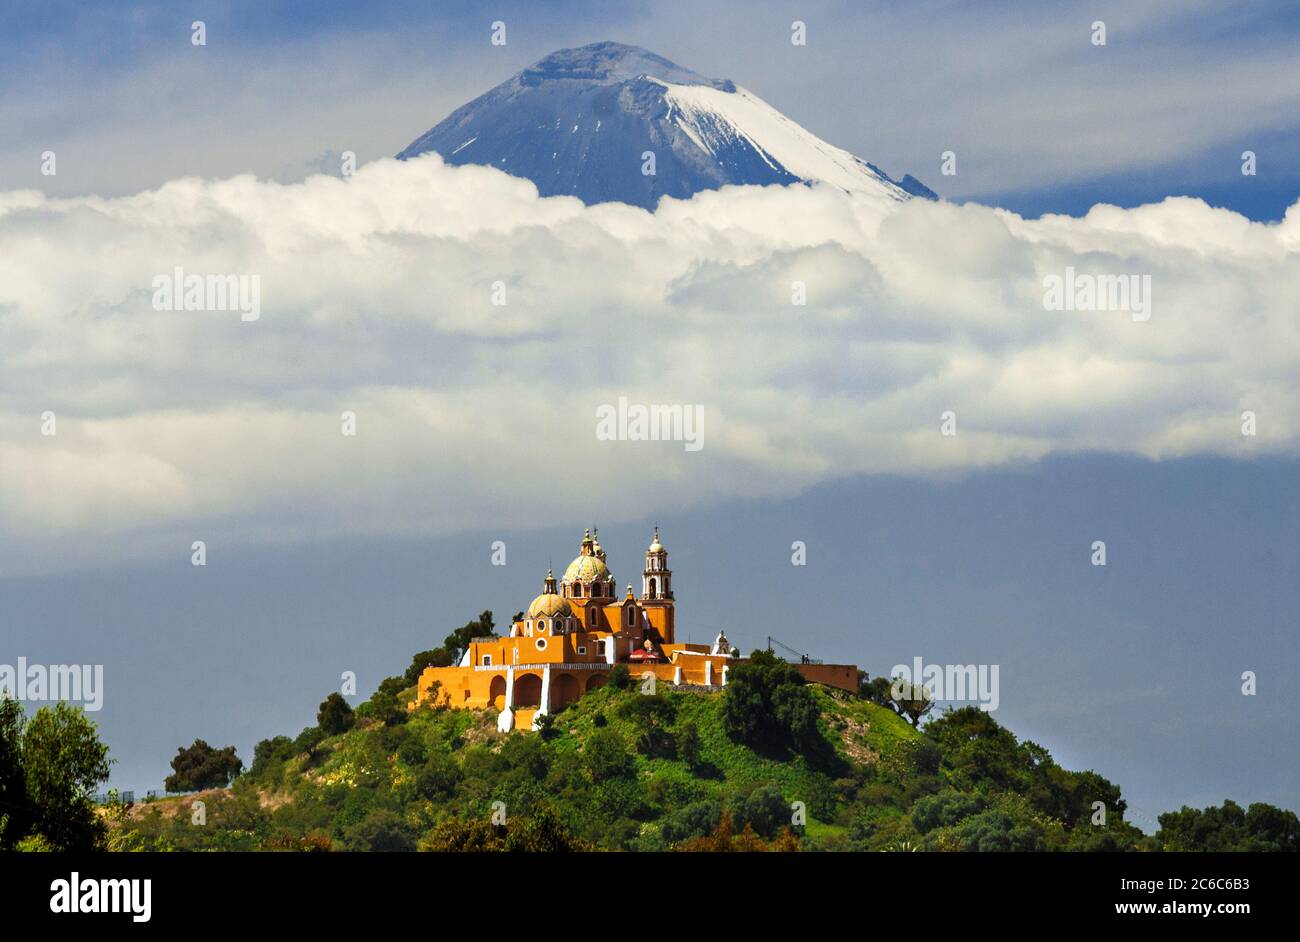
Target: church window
{"type": "Point", "coordinates": [631, 616]}
{"type": "Point", "coordinates": [653, 585]}
{"type": "Point", "coordinates": [582, 649]}
{"type": "Point", "coordinates": [487, 660]}
{"type": "Point", "coordinates": [541, 644]}
{"type": "Point", "coordinates": [593, 618]}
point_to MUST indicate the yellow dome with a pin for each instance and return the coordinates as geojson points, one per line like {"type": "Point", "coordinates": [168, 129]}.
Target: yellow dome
{"type": "Point", "coordinates": [587, 569]}
{"type": "Point", "coordinates": [548, 605]}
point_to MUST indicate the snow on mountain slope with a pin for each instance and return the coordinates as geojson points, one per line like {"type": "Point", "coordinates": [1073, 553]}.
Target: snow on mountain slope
{"type": "Point", "coordinates": [714, 119]}
{"type": "Point", "coordinates": [580, 122]}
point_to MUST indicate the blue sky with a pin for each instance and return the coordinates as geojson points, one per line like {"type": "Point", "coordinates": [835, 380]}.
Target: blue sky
{"type": "Point", "coordinates": [1133, 669]}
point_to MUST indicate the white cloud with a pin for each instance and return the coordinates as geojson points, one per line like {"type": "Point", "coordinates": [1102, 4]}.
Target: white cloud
{"type": "Point", "coordinates": [376, 298]}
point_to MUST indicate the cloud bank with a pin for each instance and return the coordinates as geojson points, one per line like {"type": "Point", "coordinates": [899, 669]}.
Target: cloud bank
{"type": "Point", "coordinates": [380, 296]}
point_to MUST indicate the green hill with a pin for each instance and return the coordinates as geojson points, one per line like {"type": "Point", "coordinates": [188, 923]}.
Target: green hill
{"type": "Point", "coordinates": [623, 770]}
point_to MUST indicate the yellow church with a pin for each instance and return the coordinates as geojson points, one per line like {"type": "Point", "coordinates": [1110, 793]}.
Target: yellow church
{"type": "Point", "coordinates": [574, 634]}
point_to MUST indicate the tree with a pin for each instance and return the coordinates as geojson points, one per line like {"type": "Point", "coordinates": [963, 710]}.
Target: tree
{"type": "Point", "coordinates": [270, 754]}
{"type": "Point", "coordinates": [724, 840]}
{"type": "Point", "coordinates": [546, 726]}
{"type": "Point", "coordinates": [689, 745]}
{"type": "Point", "coordinates": [787, 842]}
{"type": "Point", "coordinates": [542, 832]}
{"type": "Point", "coordinates": [457, 643]}
{"type": "Point", "coordinates": [876, 690]}
{"type": "Point", "coordinates": [452, 835]}
{"type": "Point", "coordinates": [911, 699]}
{"type": "Point", "coordinates": [384, 706]}
{"type": "Point", "coordinates": [620, 678]}
{"type": "Point", "coordinates": [448, 654]}
{"type": "Point", "coordinates": [335, 715]}
{"type": "Point", "coordinates": [766, 703]}
{"type": "Point", "coordinates": [1007, 828]}
{"type": "Point", "coordinates": [796, 714]}
{"type": "Point", "coordinates": [16, 815]}
{"type": "Point", "coordinates": [63, 762]}
{"type": "Point", "coordinates": [1230, 828]}
{"type": "Point", "coordinates": [437, 657]}
{"type": "Point", "coordinates": [651, 715]}
{"type": "Point", "coordinates": [200, 766]}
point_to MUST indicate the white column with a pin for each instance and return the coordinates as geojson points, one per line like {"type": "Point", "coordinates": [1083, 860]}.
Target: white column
{"type": "Point", "coordinates": [506, 719]}
{"type": "Point", "coordinates": [725, 668]}
{"type": "Point", "coordinates": [677, 676]}
{"type": "Point", "coordinates": [708, 673]}
{"type": "Point", "coordinates": [545, 705]}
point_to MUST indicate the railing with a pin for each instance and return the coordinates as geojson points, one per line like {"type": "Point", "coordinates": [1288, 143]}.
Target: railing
{"type": "Point", "coordinates": [128, 797]}
{"type": "Point", "coordinates": [585, 666]}
{"type": "Point", "coordinates": [803, 658]}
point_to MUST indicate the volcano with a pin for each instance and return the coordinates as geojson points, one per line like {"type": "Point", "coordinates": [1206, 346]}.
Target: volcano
{"type": "Point", "coordinates": [611, 122]}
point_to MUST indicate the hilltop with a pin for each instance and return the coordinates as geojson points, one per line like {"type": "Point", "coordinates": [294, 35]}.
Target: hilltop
{"type": "Point", "coordinates": [624, 770]}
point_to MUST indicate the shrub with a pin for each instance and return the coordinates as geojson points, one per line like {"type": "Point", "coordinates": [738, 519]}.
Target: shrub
{"type": "Point", "coordinates": [695, 820]}
{"type": "Point", "coordinates": [381, 830]}
{"type": "Point", "coordinates": [438, 778]}
{"type": "Point", "coordinates": [944, 810]}
{"type": "Point", "coordinates": [308, 740]}
{"type": "Point", "coordinates": [651, 716]}
{"type": "Point", "coordinates": [607, 756]}
{"type": "Point", "coordinates": [689, 744]}
{"type": "Point", "coordinates": [764, 810]}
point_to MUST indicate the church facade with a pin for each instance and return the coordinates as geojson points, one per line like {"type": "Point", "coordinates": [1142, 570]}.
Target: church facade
{"type": "Point", "coordinates": [576, 632]}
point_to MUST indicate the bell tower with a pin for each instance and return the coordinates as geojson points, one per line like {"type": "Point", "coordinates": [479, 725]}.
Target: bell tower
{"type": "Point", "coordinates": [657, 590]}
{"type": "Point", "coordinates": [657, 579]}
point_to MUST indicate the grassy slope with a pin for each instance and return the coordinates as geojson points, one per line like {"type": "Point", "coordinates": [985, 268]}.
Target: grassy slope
{"type": "Point", "coordinates": [363, 760]}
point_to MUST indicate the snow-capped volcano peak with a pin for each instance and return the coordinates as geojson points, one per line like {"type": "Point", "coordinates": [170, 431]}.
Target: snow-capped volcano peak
{"type": "Point", "coordinates": [584, 121]}
{"type": "Point", "coordinates": [610, 62]}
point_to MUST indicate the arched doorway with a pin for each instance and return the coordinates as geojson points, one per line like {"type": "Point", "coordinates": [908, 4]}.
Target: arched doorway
{"type": "Point", "coordinates": [564, 690]}
{"type": "Point", "coordinates": [497, 692]}
{"type": "Point", "coordinates": [528, 690]}
{"type": "Point", "coordinates": [595, 682]}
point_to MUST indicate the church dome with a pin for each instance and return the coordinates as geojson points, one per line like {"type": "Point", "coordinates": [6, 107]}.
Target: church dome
{"type": "Point", "coordinates": [656, 546]}
{"type": "Point", "coordinates": [587, 569]}
{"type": "Point", "coordinates": [549, 605]}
